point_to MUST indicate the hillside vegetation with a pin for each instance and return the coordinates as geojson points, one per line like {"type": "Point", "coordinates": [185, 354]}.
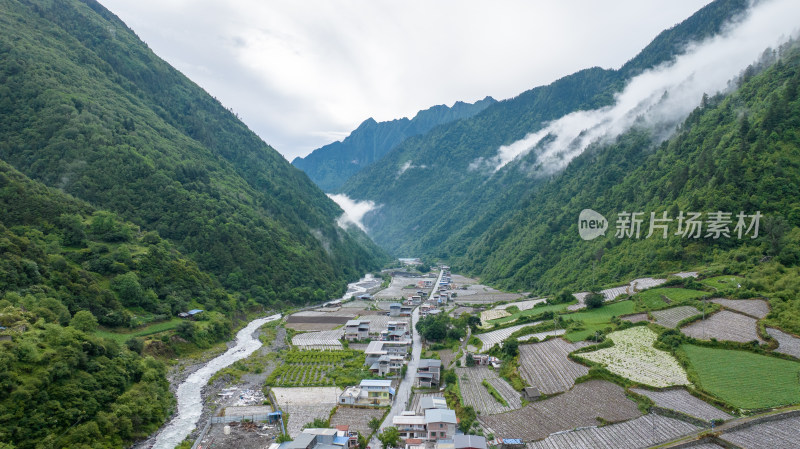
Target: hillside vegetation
{"type": "Point", "coordinates": [86, 107]}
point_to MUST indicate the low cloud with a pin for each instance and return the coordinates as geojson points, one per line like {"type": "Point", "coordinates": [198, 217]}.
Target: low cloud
{"type": "Point", "coordinates": [659, 98]}
{"type": "Point", "coordinates": [406, 166]}
{"type": "Point", "coordinates": [354, 210]}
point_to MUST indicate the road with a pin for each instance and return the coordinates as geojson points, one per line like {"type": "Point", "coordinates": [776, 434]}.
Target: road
{"type": "Point", "coordinates": [403, 393]}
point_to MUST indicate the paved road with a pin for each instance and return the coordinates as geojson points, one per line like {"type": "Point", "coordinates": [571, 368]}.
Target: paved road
{"type": "Point", "coordinates": [403, 393]}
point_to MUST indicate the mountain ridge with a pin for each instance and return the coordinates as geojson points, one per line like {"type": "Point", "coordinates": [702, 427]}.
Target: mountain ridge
{"type": "Point", "coordinates": [331, 165]}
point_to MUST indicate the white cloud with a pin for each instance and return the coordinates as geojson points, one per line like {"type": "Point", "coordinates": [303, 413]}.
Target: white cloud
{"type": "Point", "coordinates": [662, 97]}
{"type": "Point", "coordinates": [302, 74]}
{"type": "Point", "coordinates": [354, 210]}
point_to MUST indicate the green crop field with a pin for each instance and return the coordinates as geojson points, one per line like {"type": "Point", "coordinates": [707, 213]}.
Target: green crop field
{"type": "Point", "coordinates": [597, 319]}
{"type": "Point", "coordinates": [530, 312]}
{"type": "Point", "coordinates": [317, 368]}
{"type": "Point", "coordinates": [653, 299]}
{"type": "Point", "coordinates": [744, 379]}
{"type": "Point", "coordinates": [723, 282]}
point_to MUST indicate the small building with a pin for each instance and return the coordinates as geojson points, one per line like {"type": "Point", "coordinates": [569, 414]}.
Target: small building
{"type": "Point", "coordinates": [350, 395]}
{"type": "Point", "coordinates": [365, 297]}
{"type": "Point", "coordinates": [512, 443]}
{"type": "Point", "coordinates": [429, 402]}
{"type": "Point", "coordinates": [394, 309]}
{"type": "Point", "coordinates": [428, 373]}
{"type": "Point", "coordinates": [415, 443]}
{"type": "Point", "coordinates": [387, 364]}
{"type": "Point", "coordinates": [335, 303]}
{"type": "Point", "coordinates": [379, 391]}
{"type": "Point", "coordinates": [405, 310]}
{"type": "Point", "coordinates": [469, 442]}
{"type": "Point", "coordinates": [356, 330]}
{"type": "Point", "coordinates": [410, 426]}
{"type": "Point", "coordinates": [376, 349]}
{"type": "Point", "coordinates": [190, 314]}
{"type": "Point", "coordinates": [393, 326]}
{"type": "Point", "coordinates": [531, 393]}
{"type": "Point", "coordinates": [440, 424]}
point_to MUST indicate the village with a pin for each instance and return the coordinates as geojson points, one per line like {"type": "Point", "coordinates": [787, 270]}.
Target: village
{"type": "Point", "coordinates": [439, 361]}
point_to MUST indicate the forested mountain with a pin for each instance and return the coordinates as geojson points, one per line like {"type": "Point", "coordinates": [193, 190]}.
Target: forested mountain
{"type": "Point", "coordinates": [735, 153]}
{"type": "Point", "coordinates": [87, 108]}
{"type": "Point", "coordinates": [460, 204]}
{"type": "Point", "coordinates": [331, 165]}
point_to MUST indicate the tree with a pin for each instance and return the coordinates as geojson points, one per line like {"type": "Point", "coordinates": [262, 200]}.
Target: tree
{"type": "Point", "coordinates": [84, 320]}
{"type": "Point", "coordinates": [470, 361]}
{"type": "Point", "coordinates": [594, 300]}
{"type": "Point", "coordinates": [389, 437]}
{"type": "Point", "coordinates": [511, 347]}
{"type": "Point", "coordinates": [373, 424]}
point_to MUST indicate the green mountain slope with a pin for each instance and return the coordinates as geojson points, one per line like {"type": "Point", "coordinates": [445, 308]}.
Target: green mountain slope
{"type": "Point", "coordinates": [456, 196]}
{"type": "Point", "coordinates": [86, 107]}
{"type": "Point", "coordinates": [331, 165]}
{"type": "Point", "coordinates": [737, 153]}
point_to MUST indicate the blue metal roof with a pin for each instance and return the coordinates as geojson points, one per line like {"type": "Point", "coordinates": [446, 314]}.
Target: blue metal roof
{"type": "Point", "coordinates": [195, 311]}
{"type": "Point", "coordinates": [512, 441]}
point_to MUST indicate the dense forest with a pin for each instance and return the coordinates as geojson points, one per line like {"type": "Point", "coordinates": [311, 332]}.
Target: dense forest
{"type": "Point", "coordinates": [86, 107]}
{"type": "Point", "coordinates": [456, 195]}
{"type": "Point", "coordinates": [735, 153]}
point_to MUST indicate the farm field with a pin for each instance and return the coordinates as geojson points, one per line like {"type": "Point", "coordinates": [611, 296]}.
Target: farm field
{"type": "Point", "coordinates": [542, 335]}
{"type": "Point", "coordinates": [305, 404]}
{"type": "Point", "coordinates": [522, 305]}
{"type": "Point", "coordinates": [744, 379]}
{"type": "Point", "coordinates": [356, 418]}
{"type": "Point", "coordinates": [663, 297]}
{"type": "Point", "coordinates": [670, 318]}
{"type": "Point", "coordinates": [493, 314]}
{"type": "Point", "coordinates": [319, 340]}
{"type": "Point", "coordinates": [754, 307]}
{"type": "Point", "coordinates": [645, 283]}
{"type": "Point", "coordinates": [475, 394]}
{"type": "Point", "coordinates": [634, 357]}
{"type": "Point", "coordinates": [724, 325]}
{"type": "Point", "coordinates": [581, 297]}
{"type": "Point", "coordinates": [779, 434]}
{"type": "Point", "coordinates": [492, 338]}
{"type": "Point", "coordinates": [377, 323]}
{"type": "Point", "coordinates": [311, 368]}
{"type": "Point", "coordinates": [787, 343]}
{"type": "Point", "coordinates": [636, 317]}
{"type": "Point", "coordinates": [682, 401]}
{"type": "Point", "coordinates": [546, 366]}
{"type": "Point", "coordinates": [446, 356]}
{"type": "Point", "coordinates": [312, 327]}
{"type": "Point", "coordinates": [637, 433]}
{"type": "Point", "coordinates": [556, 308]}
{"type": "Point", "coordinates": [578, 407]}
{"type": "Point", "coordinates": [723, 282]}
{"type": "Point", "coordinates": [597, 319]}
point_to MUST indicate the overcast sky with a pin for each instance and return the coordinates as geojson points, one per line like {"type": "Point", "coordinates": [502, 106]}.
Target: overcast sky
{"type": "Point", "coordinates": [302, 74]}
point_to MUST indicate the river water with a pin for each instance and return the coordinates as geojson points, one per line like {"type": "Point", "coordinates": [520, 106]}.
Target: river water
{"type": "Point", "coordinates": [190, 402]}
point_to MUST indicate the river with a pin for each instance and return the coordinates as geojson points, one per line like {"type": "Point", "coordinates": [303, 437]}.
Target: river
{"type": "Point", "coordinates": [190, 403]}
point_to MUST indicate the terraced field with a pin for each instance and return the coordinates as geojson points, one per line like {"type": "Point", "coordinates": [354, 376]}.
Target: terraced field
{"type": "Point", "coordinates": [757, 308]}
{"type": "Point", "coordinates": [579, 407]}
{"type": "Point", "coordinates": [682, 401]}
{"type": "Point", "coordinates": [597, 319]}
{"type": "Point", "coordinates": [492, 338]}
{"type": "Point", "coordinates": [546, 366]}
{"type": "Point", "coordinates": [522, 305]}
{"type": "Point", "coordinates": [634, 357]}
{"type": "Point", "coordinates": [744, 379]}
{"type": "Point", "coordinates": [663, 297]}
{"type": "Point", "coordinates": [542, 335]}
{"type": "Point", "coordinates": [642, 432]}
{"type": "Point", "coordinates": [475, 394]}
{"type": "Point", "coordinates": [723, 282]}
{"type": "Point", "coordinates": [670, 318]}
{"type": "Point", "coordinates": [724, 325]}
{"type": "Point", "coordinates": [787, 343]}
{"type": "Point", "coordinates": [636, 317]}
{"type": "Point", "coordinates": [781, 434]}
